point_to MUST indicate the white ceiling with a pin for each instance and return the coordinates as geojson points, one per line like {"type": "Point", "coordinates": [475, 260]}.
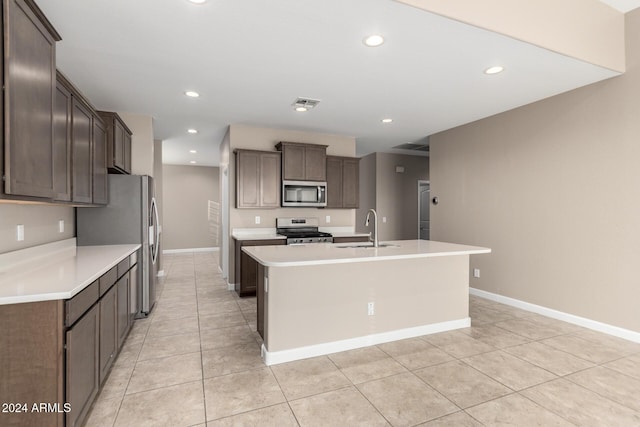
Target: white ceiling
{"type": "Point", "coordinates": [250, 59]}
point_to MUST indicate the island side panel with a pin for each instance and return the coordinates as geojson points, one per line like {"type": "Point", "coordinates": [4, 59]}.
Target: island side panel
{"type": "Point", "coordinates": [309, 305]}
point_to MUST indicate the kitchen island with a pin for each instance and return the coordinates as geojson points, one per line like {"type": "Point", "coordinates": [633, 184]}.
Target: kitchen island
{"type": "Point", "coordinates": [318, 299]}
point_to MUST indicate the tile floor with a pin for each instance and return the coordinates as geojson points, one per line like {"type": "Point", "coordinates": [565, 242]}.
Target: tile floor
{"type": "Point", "coordinates": [196, 362]}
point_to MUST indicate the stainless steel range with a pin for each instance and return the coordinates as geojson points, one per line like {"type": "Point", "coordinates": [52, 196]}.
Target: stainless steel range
{"type": "Point", "coordinates": [301, 230]}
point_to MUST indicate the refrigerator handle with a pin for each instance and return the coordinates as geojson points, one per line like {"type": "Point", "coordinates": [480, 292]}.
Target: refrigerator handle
{"type": "Point", "coordinates": [156, 242]}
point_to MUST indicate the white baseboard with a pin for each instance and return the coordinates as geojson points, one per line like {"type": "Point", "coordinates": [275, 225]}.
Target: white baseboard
{"type": "Point", "coordinates": [181, 251]}
{"type": "Point", "coordinates": [559, 315]}
{"type": "Point", "coordinates": [276, 357]}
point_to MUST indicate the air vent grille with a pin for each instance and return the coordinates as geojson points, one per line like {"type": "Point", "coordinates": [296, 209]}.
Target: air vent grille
{"type": "Point", "coordinates": [413, 146]}
{"type": "Point", "coordinates": [308, 103]}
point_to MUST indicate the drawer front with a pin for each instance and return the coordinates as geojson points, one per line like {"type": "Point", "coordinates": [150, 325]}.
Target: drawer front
{"type": "Point", "coordinates": [123, 267]}
{"type": "Point", "coordinates": [108, 280]}
{"type": "Point", "coordinates": [79, 304]}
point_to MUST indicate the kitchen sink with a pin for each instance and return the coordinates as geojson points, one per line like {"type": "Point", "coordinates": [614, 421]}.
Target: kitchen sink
{"type": "Point", "coordinates": [370, 245]}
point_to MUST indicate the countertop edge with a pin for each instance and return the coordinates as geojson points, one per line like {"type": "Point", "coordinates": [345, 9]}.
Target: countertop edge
{"type": "Point", "coordinates": [346, 260]}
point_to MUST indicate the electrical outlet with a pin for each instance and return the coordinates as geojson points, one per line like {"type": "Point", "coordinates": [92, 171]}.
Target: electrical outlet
{"type": "Point", "coordinates": [384, 219]}
{"type": "Point", "coordinates": [19, 232]}
{"type": "Point", "coordinates": [476, 272]}
{"type": "Point", "coordinates": [370, 309]}
{"type": "Point", "coordinates": [61, 226]}
{"type": "Point", "coordinates": [327, 219]}
{"type": "Point", "coordinates": [257, 219]}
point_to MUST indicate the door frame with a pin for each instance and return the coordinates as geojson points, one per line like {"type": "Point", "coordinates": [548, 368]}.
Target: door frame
{"type": "Point", "coordinates": [422, 182]}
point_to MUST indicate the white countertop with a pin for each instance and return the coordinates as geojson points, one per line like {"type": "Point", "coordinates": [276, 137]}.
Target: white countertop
{"type": "Point", "coordinates": [55, 271]}
{"type": "Point", "coordinates": [329, 253]}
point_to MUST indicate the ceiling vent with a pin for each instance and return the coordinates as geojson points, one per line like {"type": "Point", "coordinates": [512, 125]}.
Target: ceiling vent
{"type": "Point", "coordinates": [304, 104]}
{"type": "Point", "coordinates": [415, 146]}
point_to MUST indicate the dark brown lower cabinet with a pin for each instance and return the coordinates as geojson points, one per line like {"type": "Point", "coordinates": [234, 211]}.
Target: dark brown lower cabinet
{"type": "Point", "coordinates": [246, 268]}
{"type": "Point", "coordinates": [31, 348]}
{"type": "Point", "coordinates": [122, 308]}
{"type": "Point", "coordinates": [108, 331]}
{"type": "Point", "coordinates": [82, 376]}
{"type": "Point", "coordinates": [57, 352]}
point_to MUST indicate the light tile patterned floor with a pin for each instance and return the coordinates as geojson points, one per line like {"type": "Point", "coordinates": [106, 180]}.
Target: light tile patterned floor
{"type": "Point", "coordinates": [196, 362]}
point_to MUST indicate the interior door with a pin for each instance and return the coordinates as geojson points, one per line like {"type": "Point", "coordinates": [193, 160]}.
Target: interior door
{"type": "Point", "coordinates": [424, 196]}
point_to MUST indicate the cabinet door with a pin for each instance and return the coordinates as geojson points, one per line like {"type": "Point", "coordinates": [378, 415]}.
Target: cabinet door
{"type": "Point", "coordinates": [270, 180]}
{"type": "Point", "coordinates": [293, 167]}
{"type": "Point", "coordinates": [351, 183]}
{"type": "Point", "coordinates": [334, 182]}
{"type": "Point", "coordinates": [82, 376]}
{"type": "Point", "coordinates": [29, 93]}
{"type": "Point", "coordinates": [315, 161]}
{"type": "Point", "coordinates": [118, 144]}
{"type": "Point", "coordinates": [133, 294]}
{"type": "Point", "coordinates": [247, 179]}
{"type": "Point", "coordinates": [108, 331]}
{"type": "Point", "coordinates": [62, 143]}
{"type": "Point", "coordinates": [81, 130]}
{"type": "Point", "coordinates": [100, 182]}
{"type": "Point", "coordinates": [123, 308]}
{"type": "Point", "coordinates": [127, 152]}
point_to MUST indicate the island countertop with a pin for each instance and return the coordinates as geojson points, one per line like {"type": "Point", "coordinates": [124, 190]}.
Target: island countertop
{"type": "Point", "coordinates": [55, 271]}
{"type": "Point", "coordinates": [329, 253]}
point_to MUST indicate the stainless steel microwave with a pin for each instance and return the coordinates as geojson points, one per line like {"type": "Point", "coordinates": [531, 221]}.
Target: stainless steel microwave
{"type": "Point", "coordinates": [304, 193]}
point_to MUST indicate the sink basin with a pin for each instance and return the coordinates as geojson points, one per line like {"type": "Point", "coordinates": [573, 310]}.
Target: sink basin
{"type": "Point", "coordinates": [370, 246]}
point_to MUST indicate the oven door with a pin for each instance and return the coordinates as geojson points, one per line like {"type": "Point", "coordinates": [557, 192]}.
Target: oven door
{"type": "Point", "coordinates": [304, 193]}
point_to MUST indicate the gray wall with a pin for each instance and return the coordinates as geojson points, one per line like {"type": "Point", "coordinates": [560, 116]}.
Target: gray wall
{"type": "Point", "coordinates": [396, 194]}
{"type": "Point", "coordinates": [186, 191]}
{"type": "Point", "coordinates": [40, 225]}
{"type": "Point", "coordinates": [554, 189]}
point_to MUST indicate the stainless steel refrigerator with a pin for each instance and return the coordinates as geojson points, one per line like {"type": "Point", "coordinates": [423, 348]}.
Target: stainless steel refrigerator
{"type": "Point", "coordinates": [130, 217]}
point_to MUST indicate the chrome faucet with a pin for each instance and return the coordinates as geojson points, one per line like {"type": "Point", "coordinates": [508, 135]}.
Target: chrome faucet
{"type": "Point", "coordinates": [375, 227]}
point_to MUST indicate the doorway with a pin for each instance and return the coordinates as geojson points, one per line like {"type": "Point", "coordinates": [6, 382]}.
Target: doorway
{"type": "Point", "coordinates": [424, 198]}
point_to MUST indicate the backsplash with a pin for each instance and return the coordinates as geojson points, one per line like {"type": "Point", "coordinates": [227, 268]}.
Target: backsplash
{"type": "Point", "coordinates": [41, 225]}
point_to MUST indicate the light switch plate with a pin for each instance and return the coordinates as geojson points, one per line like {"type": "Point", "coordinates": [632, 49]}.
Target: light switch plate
{"type": "Point", "coordinates": [257, 219]}
{"type": "Point", "coordinates": [327, 219]}
{"type": "Point", "coordinates": [476, 272]}
{"type": "Point", "coordinates": [61, 226]}
{"type": "Point", "coordinates": [19, 232]}
{"type": "Point", "coordinates": [384, 219]}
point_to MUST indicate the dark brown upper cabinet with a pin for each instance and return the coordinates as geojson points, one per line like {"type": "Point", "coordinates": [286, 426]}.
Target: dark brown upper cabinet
{"type": "Point", "coordinates": [77, 121]}
{"type": "Point", "coordinates": [82, 161]}
{"type": "Point", "coordinates": [118, 143]}
{"type": "Point", "coordinates": [27, 154]}
{"type": "Point", "coordinates": [62, 142]}
{"type": "Point", "coordinates": [303, 162]}
{"type": "Point", "coordinates": [343, 182]}
{"type": "Point", "coordinates": [257, 179]}
{"type": "Point", "coordinates": [100, 181]}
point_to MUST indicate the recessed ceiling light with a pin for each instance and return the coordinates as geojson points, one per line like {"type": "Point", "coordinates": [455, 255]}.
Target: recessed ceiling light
{"type": "Point", "coordinates": [494, 70]}
{"type": "Point", "coordinates": [192, 130]}
{"type": "Point", "coordinates": [302, 109]}
{"type": "Point", "coordinates": [192, 94]}
{"type": "Point", "coordinates": [197, 1]}
{"type": "Point", "coordinates": [193, 151]}
{"type": "Point", "coordinates": [373, 40]}
{"type": "Point", "coordinates": [193, 162]}
{"type": "Point", "coordinates": [387, 120]}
